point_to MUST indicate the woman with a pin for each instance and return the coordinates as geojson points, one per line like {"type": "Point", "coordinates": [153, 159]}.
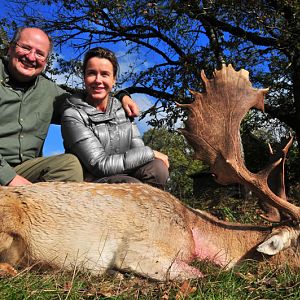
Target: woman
{"type": "Point", "coordinates": [96, 128]}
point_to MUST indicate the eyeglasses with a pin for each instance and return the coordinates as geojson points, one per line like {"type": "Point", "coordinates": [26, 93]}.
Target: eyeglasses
{"type": "Point", "coordinates": [27, 49]}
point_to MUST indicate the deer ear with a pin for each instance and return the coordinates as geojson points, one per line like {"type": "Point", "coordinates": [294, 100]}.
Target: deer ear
{"type": "Point", "coordinates": [272, 245]}
{"type": "Point", "coordinates": [279, 240]}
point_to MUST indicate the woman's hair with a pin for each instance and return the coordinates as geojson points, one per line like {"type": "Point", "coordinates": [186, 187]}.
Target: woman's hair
{"type": "Point", "coordinates": [101, 53]}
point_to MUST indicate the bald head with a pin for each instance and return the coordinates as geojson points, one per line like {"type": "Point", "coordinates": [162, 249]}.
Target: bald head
{"type": "Point", "coordinates": [28, 53]}
{"type": "Point", "coordinates": [24, 30]}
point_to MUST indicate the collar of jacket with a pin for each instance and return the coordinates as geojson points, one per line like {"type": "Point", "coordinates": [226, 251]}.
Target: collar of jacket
{"type": "Point", "coordinates": [96, 116]}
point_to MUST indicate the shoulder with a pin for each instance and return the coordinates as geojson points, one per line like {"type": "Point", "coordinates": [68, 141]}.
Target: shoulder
{"type": "Point", "coordinates": [71, 109]}
{"type": "Point", "coordinates": [3, 74]}
{"type": "Point", "coordinates": [71, 112]}
{"type": "Point", "coordinates": [43, 79]}
{"type": "Point", "coordinates": [51, 86]}
{"type": "Point", "coordinates": [117, 107]}
{"type": "Point", "coordinates": [119, 112]}
{"type": "Point", "coordinates": [116, 104]}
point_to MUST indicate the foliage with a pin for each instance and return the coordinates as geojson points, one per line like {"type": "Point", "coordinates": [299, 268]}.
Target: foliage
{"type": "Point", "coordinates": [257, 152]}
{"type": "Point", "coordinates": [3, 40]}
{"type": "Point", "coordinates": [171, 41]}
{"type": "Point", "coordinates": [180, 154]}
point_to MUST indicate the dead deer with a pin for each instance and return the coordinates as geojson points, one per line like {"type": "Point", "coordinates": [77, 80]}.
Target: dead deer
{"type": "Point", "coordinates": [141, 229]}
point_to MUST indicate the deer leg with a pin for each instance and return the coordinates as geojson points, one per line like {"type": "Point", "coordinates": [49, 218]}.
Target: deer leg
{"type": "Point", "coordinates": [12, 248]}
{"type": "Point", "coordinates": [159, 268]}
{"type": "Point", "coordinates": [181, 270]}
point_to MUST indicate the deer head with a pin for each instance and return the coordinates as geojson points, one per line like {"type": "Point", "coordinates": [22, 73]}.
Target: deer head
{"type": "Point", "coordinates": [227, 98]}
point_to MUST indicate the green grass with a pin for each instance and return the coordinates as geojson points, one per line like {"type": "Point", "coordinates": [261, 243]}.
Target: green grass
{"type": "Point", "coordinates": [246, 282]}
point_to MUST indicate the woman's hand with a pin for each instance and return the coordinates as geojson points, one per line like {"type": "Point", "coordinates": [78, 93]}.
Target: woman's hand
{"type": "Point", "coordinates": [162, 157]}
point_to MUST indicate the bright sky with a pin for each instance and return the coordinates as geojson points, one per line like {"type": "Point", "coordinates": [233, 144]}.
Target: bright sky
{"type": "Point", "coordinates": [53, 144]}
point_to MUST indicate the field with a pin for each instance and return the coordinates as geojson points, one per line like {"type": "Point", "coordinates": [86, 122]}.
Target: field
{"type": "Point", "coordinates": [249, 281]}
{"type": "Point", "coordinates": [245, 283]}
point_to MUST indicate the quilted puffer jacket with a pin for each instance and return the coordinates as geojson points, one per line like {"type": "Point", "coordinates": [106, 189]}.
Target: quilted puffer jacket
{"type": "Point", "coordinates": [106, 143]}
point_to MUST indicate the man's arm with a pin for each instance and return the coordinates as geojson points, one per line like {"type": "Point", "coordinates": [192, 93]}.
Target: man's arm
{"type": "Point", "coordinates": [131, 108]}
{"type": "Point", "coordinates": [128, 104]}
{"type": "Point", "coordinates": [8, 175]}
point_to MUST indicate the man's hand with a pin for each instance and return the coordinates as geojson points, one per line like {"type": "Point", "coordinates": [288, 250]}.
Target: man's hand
{"type": "Point", "coordinates": [19, 180]}
{"type": "Point", "coordinates": [162, 157]}
{"type": "Point", "coordinates": [130, 107]}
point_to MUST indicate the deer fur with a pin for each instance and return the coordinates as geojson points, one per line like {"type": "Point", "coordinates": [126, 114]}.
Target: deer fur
{"type": "Point", "coordinates": [128, 227]}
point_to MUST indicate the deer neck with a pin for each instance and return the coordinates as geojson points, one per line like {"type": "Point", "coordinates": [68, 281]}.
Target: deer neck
{"type": "Point", "coordinates": [225, 243]}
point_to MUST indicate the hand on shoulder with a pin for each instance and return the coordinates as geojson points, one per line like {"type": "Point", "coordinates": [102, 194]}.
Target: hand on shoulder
{"type": "Point", "coordinates": [130, 107]}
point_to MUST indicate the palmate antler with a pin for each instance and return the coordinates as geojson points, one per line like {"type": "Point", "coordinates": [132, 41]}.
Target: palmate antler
{"type": "Point", "coordinates": [213, 130]}
{"type": "Point", "coordinates": [276, 180]}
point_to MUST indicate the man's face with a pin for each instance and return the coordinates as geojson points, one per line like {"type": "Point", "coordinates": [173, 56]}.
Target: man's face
{"type": "Point", "coordinates": [28, 57]}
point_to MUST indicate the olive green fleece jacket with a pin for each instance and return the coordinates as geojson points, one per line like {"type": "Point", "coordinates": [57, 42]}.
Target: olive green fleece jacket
{"type": "Point", "coordinates": [24, 120]}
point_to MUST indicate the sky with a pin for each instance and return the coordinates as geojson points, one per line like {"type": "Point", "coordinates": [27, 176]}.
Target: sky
{"type": "Point", "coordinates": [54, 144]}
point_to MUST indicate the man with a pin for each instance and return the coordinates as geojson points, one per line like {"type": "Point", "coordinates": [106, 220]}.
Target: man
{"type": "Point", "coordinates": [28, 104]}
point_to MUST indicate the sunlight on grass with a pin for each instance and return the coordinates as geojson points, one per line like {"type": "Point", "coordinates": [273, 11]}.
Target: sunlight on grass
{"type": "Point", "coordinates": [246, 282]}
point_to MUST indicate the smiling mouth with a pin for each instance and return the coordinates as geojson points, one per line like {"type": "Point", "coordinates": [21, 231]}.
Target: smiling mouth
{"type": "Point", "coordinates": [100, 89]}
{"type": "Point", "coordinates": [27, 65]}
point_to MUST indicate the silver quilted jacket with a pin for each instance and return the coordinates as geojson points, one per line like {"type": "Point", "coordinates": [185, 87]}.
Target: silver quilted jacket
{"type": "Point", "coordinates": [106, 143]}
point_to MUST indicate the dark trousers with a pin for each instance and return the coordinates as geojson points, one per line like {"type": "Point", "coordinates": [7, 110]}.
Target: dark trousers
{"type": "Point", "coordinates": [154, 173]}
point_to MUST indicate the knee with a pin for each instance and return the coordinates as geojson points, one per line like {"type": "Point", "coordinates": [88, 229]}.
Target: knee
{"type": "Point", "coordinates": [119, 178]}
{"type": "Point", "coordinates": [71, 167]}
{"type": "Point", "coordinates": [155, 173]}
{"type": "Point", "coordinates": [161, 172]}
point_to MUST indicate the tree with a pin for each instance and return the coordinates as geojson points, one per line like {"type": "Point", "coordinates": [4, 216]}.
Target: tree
{"type": "Point", "coordinates": [182, 164]}
{"type": "Point", "coordinates": [173, 40]}
{"type": "Point", "coordinates": [3, 40]}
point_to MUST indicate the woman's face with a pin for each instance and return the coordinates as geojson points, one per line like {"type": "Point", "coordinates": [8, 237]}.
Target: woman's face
{"type": "Point", "coordinates": [99, 79]}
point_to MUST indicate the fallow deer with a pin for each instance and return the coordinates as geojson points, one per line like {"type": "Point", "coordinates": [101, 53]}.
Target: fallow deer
{"type": "Point", "coordinates": [138, 228]}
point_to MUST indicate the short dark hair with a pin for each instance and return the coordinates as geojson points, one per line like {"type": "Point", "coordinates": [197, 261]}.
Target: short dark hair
{"type": "Point", "coordinates": [18, 32]}
{"type": "Point", "coordinates": [101, 53]}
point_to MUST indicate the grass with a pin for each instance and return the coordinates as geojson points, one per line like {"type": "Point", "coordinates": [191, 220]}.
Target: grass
{"type": "Point", "coordinates": [246, 282]}
{"type": "Point", "coordinates": [250, 281]}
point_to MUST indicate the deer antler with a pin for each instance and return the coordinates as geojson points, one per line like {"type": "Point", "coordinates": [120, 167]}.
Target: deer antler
{"type": "Point", "coordinates": [276, 180]}
{"type": "Point", "coordinates": [213, 130]}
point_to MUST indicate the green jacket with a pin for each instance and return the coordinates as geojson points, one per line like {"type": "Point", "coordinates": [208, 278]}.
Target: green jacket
{"type": "Point", "coordinates": [24, 120]}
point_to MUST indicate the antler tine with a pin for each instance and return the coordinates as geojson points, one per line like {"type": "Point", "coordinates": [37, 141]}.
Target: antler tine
{"type": "Point", "coordinates": [212, 129]}
{"type": "Point", "coordinates": [276, 180]}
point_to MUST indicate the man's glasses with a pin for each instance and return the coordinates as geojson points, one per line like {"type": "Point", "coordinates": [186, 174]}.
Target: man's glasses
{"type": "Point", "coordinates": [27, 49]}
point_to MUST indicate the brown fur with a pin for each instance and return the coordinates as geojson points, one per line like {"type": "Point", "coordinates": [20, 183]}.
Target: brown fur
{"type": "Point", "coordinates": [131, 227]}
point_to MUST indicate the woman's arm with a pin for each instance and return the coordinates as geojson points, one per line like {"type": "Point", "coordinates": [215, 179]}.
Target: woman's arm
{"type": "Point", "coordinates": [80, 140]}
{"type": "Point", "coordinates": [138, 142]}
